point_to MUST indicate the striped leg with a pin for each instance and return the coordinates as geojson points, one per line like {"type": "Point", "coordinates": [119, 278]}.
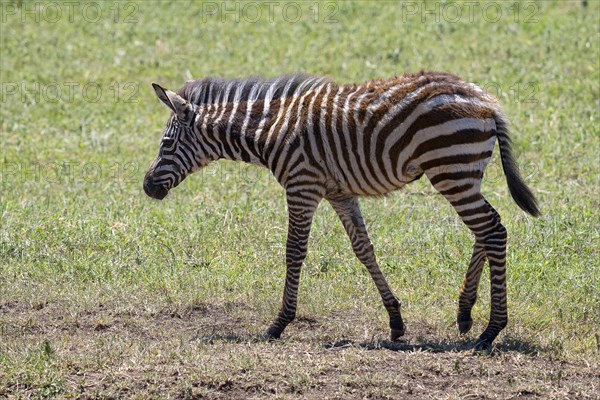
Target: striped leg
{"type": "Point", "coordinates": [301, 211]}
{"type": "Point", "coordinates": [492, 235]}
{"type": "Point", "coordinates": [468, 291]}
{"type": "Point", "coordinates": [349, 212]}
{"type": "Point", "coordinates": [490, 243]}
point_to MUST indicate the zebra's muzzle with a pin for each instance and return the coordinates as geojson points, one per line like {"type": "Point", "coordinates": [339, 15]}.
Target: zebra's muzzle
{"type": "Point", "coordinates": [154, 191]}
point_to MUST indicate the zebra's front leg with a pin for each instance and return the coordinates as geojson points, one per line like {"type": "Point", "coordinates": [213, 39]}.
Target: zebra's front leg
{"type": "Point", "coordinates": [301, 211]}
{"type": "Point", "coordinates": [349, 212]}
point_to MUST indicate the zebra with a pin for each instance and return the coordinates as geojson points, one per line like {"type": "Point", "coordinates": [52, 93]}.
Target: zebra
{"type": "Point", "coordinates": [336, 142]}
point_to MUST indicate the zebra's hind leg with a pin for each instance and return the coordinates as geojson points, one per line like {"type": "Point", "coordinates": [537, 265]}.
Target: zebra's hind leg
{"type": "Point", "coordinates": [490, 236]}
{"type": "Point", "coordinates": [468, 291]}
{"type": "Point", "coordinates": [349, 213]}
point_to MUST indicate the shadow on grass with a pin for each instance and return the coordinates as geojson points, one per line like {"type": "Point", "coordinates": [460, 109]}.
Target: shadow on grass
{"type": "Point", "coordinates": [230, 337]}
{"type": "Point", "coordinates": [523, 347]}
{"type": "Point", "coordinates": [507, 345]}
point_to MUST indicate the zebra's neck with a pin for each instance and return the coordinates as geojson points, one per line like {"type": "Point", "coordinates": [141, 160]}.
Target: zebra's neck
{"type": "Point", "coordinates": [233, 130]}
{"type": "Point", "coordinates": [248, 120]}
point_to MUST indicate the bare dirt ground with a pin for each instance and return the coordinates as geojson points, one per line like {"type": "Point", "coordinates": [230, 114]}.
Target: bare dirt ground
{"type": "Point", "coordinates": [211, 351]}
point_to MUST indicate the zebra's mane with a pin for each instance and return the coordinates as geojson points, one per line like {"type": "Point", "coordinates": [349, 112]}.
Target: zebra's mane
{"type": "Point", "coordinates": [213, 89]}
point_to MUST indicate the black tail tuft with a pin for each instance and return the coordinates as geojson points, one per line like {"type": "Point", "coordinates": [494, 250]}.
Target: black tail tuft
{"type": "Point", "coordinates": [517, 187]}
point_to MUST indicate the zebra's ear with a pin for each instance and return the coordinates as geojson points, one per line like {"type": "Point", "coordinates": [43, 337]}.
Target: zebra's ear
{"type": "Point", "coordinates": [176, 103]}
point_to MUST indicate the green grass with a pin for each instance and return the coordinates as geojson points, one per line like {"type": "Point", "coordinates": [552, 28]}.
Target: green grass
{"type": "Point", "coordinates": [100, 284]}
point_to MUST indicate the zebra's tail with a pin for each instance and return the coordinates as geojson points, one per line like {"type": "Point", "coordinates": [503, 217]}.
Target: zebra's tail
{"type": "Point", "coordinates": [517, 187]}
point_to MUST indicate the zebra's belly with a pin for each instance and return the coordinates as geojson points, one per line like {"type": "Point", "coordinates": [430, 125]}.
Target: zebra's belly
{"type": "Point", "coordinates": [361, 182]}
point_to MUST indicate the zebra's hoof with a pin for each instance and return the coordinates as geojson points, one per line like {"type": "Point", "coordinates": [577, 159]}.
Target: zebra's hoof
{"type": "Point", "coordinates": [482, 346]}
{"type": "Point", "coordinates": [396, 333]}
{"type": "Point", "coordinates": [273, 333]}
{"type": "Point", "coordinates": [396, 328]}
{"type": "Point", "coordinates": [465, 326]}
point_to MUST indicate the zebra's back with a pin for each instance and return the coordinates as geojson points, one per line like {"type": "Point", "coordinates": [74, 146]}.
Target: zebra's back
{"type": "Point", "coordinates": [374, 138]}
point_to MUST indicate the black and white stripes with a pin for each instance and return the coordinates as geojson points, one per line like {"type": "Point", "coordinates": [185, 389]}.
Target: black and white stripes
{"type": "Point", "coordinates": [326, 141]}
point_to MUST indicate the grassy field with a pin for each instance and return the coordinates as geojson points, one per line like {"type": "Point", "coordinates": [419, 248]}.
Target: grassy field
{"type": "Point", "coordinates": [105, 293]}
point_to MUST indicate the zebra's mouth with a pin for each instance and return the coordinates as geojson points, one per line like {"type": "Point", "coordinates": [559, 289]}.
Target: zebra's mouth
{"type": "Point", "coordinates": [154, 191]}
{"type": "Point", "coordinates": [158, 193]}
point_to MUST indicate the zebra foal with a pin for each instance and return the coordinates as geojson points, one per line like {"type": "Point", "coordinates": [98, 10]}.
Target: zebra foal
{"type": "Point", "coordinates": [338, 142]}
